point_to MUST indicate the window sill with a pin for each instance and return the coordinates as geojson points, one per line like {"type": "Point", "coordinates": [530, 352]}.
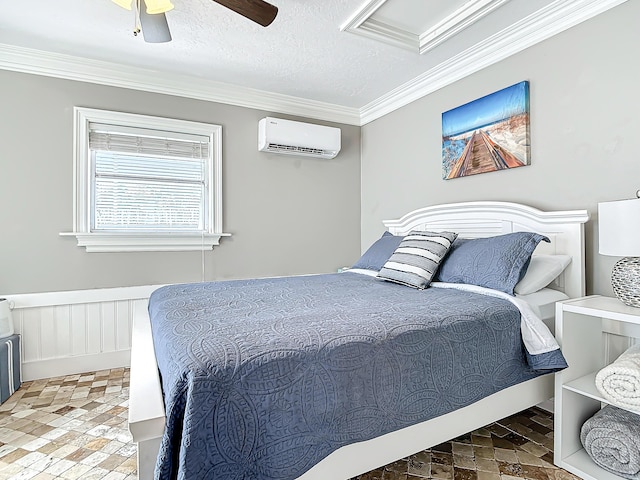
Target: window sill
{"type": "Point", "coordinates": [146, 242]}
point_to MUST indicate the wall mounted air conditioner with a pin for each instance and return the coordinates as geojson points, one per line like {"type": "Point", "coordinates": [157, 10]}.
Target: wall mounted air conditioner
{"type": "Point", "coordinates": [287, 137]}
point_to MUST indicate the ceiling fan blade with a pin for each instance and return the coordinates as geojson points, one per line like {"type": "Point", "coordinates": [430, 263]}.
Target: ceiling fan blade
{"type": "Point", "coordinates": [258, 11]}
{"type": "Point", "coordinates": [155, 28]}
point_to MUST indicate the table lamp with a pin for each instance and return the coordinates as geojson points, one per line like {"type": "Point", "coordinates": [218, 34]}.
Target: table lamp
{"type": "Point", "coordinates": [619, 236]}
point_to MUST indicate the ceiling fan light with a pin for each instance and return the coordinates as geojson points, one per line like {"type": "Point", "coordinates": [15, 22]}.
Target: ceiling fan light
{"type": "Point", "coordinates": [158, 6]}
{"type": "Point", "coordinates": [126, 4]}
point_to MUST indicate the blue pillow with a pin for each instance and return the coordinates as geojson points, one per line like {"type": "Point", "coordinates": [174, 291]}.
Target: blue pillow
{"type": "Point", "coordinates": [378, 253]}
{"type": "Point", "coordinates": [494, 262]}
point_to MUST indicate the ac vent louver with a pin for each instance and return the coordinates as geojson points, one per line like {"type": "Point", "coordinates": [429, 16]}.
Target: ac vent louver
{"type": "Point", "coordinates": [275, 147]}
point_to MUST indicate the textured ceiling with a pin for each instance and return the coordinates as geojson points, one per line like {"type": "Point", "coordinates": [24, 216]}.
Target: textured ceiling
{"type": "Point", "coordinates": [302, 54]}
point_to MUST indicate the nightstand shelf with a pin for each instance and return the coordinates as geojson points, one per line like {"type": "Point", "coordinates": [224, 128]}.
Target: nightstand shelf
{"type": "Point", "coordinates": [585, 385]}
{"type": "Point", "coordinates": [592, 332]}
{"type": "Point", "coordinates": [584, 467]}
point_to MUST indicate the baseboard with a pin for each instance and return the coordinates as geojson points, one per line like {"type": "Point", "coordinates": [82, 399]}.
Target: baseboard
{"type": "Point", "coordinates": [547, 405]}
{"type": "Point", "coordinates": [57, 367]}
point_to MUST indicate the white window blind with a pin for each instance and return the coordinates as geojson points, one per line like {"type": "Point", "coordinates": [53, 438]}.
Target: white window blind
{"type": "Point", "coordinates": [146, 180]}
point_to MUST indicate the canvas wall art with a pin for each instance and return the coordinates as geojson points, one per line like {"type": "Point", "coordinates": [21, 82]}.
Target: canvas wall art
{"type": "Point", "coordinates": [488, 134]}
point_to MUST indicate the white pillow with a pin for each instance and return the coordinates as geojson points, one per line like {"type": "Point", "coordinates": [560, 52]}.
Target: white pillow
{"type": "Point", "coordinates": [543, 269]}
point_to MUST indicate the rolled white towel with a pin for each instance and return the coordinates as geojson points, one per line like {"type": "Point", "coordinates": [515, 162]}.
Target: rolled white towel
{"type": "Point", "coordinates": [619, 382]}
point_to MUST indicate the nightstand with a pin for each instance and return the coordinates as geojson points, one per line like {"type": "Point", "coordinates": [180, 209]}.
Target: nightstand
{"type": "Point", "coordinates": [592, 332]}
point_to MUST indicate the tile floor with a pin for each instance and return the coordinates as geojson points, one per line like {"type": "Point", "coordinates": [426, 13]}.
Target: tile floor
{"type": "Point", "coordinates": [72, 427]}
{"type": "Point", "coordinates": [514, 448]}
{"type": "Point", "coordinates": [75, 427]}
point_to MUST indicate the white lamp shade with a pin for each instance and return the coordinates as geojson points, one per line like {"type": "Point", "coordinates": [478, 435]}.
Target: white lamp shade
{"type": "Point", "coordinates": [619, 228]}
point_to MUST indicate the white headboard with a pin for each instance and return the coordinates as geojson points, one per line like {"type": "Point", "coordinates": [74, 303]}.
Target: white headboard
{"type": "Point", "coordinates": [565, 229]}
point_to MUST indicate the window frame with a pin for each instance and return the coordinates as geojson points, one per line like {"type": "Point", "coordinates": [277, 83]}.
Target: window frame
{"type": "Point", "coordinates": [137, 241]}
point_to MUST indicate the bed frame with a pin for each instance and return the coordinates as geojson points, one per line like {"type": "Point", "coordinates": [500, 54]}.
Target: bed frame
{"type": "Point", "coordinates": [565, 229]}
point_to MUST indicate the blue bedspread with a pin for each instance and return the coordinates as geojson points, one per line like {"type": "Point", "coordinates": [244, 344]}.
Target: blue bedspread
{"type": "Point", "coordinates": [264, 378]}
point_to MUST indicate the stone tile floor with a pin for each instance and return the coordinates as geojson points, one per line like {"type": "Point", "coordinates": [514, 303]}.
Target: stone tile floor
{"type": "Point", "coordinates": [75, 427]}
{"type": "Point", "coordinates": [515, 448]}
{"type": "Point", "coordinates": [72, 427]}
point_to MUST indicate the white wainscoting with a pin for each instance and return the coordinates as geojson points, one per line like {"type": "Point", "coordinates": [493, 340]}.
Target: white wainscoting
{"type": "Point", "coordinates": [64, 333]}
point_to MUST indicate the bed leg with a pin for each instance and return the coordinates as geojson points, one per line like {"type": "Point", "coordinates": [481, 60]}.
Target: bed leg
{"type": "Point", "coordinates": [147, 455]}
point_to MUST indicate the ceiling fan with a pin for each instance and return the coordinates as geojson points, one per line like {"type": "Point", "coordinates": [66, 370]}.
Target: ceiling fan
{"type": "Point", "coordinates": [152, 20]}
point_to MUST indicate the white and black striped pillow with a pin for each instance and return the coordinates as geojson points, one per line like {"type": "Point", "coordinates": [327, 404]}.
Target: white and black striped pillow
{"type": "Point", "coordinates": [416, 260]}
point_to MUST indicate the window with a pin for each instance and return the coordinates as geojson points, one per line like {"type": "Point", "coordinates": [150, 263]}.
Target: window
{"type": "Point", "coordinates": [146, 183]}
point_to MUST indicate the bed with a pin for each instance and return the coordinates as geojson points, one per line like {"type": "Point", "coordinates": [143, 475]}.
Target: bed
{"type": "Point", "coordinates": [374, 444]}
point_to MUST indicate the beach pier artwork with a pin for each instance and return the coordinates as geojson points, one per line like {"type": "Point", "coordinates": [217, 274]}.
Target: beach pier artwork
{"type": "Point", "coordinates": [488, 134]}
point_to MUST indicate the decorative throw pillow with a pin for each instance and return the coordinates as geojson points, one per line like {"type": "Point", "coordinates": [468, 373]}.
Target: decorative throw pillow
{"type": "Point", "coordinates": [543, 269]}
{"type": "Point", "coordinates": [379, 252]}
{"type": "Point", "coordinates": [495, 262]}
{"type": "Point", "coordinates": [415, 261]}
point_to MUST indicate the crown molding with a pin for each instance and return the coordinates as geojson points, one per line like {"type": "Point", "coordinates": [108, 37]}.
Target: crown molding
{"type": "Point", "coordinates": [541, 25]}
{"type": "Point", "coordinates": [453, 24]}
{"type": "Point", "coordinates": [363, 23]}
{"type": "Point", "coordinates": [38, 62]}
{"type": "Point", "coordinates": [386, 33]}
{"type": "Point", "coordinates": [361, 15]}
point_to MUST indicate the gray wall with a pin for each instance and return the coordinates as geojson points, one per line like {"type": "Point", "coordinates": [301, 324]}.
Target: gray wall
{"type": "Point", "coordinates": [584, 131]}
{"type": "Point", "coordinates": [288, 215]}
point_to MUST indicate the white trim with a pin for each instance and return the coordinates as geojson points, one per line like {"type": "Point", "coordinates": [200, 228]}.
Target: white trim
{"type": "Point", "coordinates": [361, 15]}
{"type": "Point", "coordinates": [39, 62]}
{"type": "Point", "coordinates": [455, 23]}
{"type": "Point", "coordinates": [129, 242]}
{"type": "Point", "coordinates": [58, 367]}
{"type": "Point", "coordinates": [76, 297]}
{"type": "Point", "coordinates": [545, 23]}
{"type": "Point", "coordinates": [362, 23]}
{"type": "Point", "coordinates": [386, 33]}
